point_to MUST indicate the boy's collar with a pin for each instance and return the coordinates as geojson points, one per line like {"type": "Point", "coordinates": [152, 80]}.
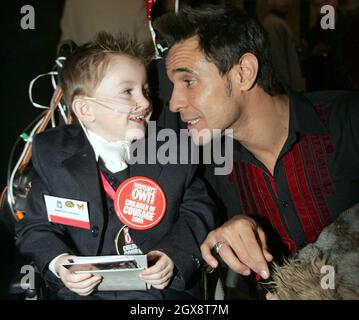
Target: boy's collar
{"type": "Point", "coordinates": [114, 154]}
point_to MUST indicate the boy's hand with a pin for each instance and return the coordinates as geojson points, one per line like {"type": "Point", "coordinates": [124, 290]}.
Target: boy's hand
{"type": "Point", "coordinates": [160, 274]}
{"type": "Point", "coordinates": [82, 284]}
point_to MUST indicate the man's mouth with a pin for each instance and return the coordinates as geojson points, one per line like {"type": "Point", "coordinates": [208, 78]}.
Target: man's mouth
{"type": "Point", "coordinates": [192, 122]}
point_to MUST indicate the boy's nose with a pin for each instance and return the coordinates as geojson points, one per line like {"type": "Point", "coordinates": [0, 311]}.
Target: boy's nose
{"type": "Point", "coordinates": [143, 103]}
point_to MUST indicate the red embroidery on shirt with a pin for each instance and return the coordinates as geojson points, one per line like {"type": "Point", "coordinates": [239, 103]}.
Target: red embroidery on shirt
{"type": "Point", "coordinates": [316, 184]}
{"type": "Point", "coordinates": [293, 171]}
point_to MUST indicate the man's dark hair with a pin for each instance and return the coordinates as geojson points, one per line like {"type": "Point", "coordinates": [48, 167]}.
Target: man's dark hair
{"type": "Point", "coordinates": [225, 34]}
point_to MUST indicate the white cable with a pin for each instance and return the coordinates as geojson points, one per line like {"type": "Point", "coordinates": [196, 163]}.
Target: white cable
{"type": "Point", "coordinates": [153, 36]}
{"type": "Point", "coordinates": [54, 85]}
{"type": "Point", "coordinates": [162, 49]}
{"type": "Point", "coordinates": [52, 107]}
{"type": "Point", "coordinates": [62, 111]}
{"type": "Point", "coordinates": [52, 110]}
{"type": "Point", "coordinates": [58, 61]}
{"type": "Point", "coordinates": [176, 6]}
{"type": "Point", "coordinates": [37, 105]}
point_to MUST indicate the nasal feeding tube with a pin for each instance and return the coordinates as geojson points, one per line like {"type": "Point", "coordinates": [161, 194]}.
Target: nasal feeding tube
{"type": "Point", "coordinates": [121, 107]}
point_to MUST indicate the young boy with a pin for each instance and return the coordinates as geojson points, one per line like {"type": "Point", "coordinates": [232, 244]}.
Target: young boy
{"type": "Point", "coordinates": [105, 84]}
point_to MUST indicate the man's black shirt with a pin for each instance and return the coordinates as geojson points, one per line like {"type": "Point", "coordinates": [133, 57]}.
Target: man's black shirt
{"type": "Point", "coordinates": [315, 178]}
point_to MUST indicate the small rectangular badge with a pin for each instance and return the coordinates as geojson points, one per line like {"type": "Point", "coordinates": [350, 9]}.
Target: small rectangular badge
{"type": "Point", "coordinates": [67, 211]}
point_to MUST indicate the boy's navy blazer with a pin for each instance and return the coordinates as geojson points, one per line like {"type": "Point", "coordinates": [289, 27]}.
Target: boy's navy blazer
{"type": "Point", "coordinates": [65, 166]}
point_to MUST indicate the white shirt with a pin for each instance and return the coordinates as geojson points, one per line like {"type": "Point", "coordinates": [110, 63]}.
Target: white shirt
{"type": "Point", "coordinates": [114, 154]}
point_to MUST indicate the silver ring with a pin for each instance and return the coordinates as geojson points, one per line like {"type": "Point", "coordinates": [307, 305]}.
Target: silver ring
{"type": "Point", "coordinates": [218, 246]}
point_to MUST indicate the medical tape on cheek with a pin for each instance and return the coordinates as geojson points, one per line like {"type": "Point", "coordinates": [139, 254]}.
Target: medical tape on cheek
{"type": "Point", "coordinates": [114, 104]}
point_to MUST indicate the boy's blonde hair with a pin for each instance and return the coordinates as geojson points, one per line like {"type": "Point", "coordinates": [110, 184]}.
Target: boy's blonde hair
{"type": "Point", "coordinates": [84, 70]}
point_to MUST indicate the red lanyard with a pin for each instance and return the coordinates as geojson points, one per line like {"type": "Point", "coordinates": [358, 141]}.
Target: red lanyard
{"type": "Point", "coordinates": [106, 185]}
{"type": "Point", "coordinates": [111, 193]}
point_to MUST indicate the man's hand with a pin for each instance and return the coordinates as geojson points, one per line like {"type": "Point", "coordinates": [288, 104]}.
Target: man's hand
{"type": "Point", "coordinates": [160, 274]}
{"type": "Point", "coordinates": [272, 296]}
{"type": "Point", "coordinates": [82, 284]}
{"type": "Point", "coordinates": [244, 249]}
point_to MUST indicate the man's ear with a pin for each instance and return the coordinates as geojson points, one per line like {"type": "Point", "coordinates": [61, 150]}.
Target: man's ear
{"type": "Point", "coordinates": [82, 110]}
{"type": "Point", "coordinates": [245, 72]}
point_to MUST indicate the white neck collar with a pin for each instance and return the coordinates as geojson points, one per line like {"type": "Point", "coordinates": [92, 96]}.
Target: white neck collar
{"type": "Point", "coordinates": [114, 154]}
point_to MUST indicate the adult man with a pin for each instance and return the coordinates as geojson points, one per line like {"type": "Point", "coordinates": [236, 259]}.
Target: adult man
{"type": "Point", "coordinates": [295, 166]}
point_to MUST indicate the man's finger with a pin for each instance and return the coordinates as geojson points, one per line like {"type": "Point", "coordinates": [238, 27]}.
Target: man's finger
{"type": "Point", "coordinates": [232, 261]}
{"type": "Point", "coordinates": [271, 296]}
{"type": "Point", "coordinates": [268, 256]}
{"type": "Point", "coordinates": [206, 251]}
{"type": "Point", "coordinates": [263, 239]}
{"type": "Point", "coordinates": [251, 253]}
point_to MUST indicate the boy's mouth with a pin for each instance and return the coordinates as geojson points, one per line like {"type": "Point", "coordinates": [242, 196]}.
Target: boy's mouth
{"type": "Point", "coordinates": [140, 118]}
{"type": "Point", "coordinates": [137, 118]}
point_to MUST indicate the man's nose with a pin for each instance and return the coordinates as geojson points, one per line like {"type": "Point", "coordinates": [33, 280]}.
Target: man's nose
{"type": "Point", "coordinates": [177, 102]}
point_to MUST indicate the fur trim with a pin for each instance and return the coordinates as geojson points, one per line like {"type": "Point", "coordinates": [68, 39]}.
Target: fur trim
{"type": "Point", "coordinates": [300, 277]}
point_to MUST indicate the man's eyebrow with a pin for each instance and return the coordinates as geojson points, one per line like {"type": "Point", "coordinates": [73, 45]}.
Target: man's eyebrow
{"type": "Point", "coordinates": [183, 70]}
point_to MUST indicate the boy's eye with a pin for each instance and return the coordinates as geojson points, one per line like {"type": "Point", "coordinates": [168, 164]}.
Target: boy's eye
{"type": "Point", "coordinates": [127, 91]}
{"type": "Point", "coordinates": [146, 91]}
{"type": "Point", "coordinates": [189, 82]}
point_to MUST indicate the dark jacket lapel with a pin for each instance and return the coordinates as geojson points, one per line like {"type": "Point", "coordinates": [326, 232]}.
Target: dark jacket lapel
{"type": "Point", "coordinates": [81, 164]}
{"type": "Point", "coordinates": [151, 171]}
